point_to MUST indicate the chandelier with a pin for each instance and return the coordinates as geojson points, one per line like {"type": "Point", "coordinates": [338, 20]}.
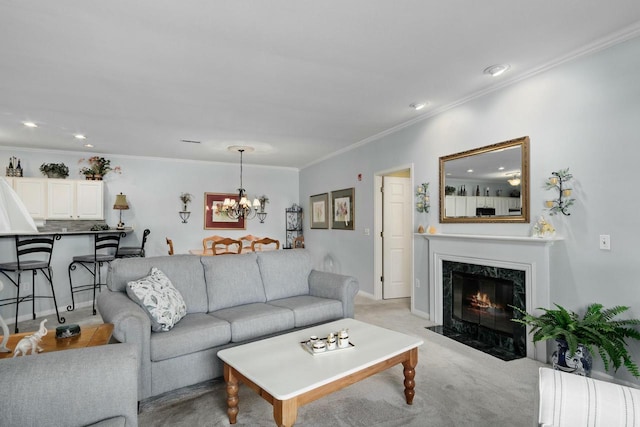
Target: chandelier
{"type": "Point", "coordinates": [242, 208]}
{"type": "Point", "coordinates": [515, 181]}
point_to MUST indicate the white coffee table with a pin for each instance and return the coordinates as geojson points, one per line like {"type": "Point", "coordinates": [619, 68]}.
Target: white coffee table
{"type": "Point", "coordinates": [287, 376]}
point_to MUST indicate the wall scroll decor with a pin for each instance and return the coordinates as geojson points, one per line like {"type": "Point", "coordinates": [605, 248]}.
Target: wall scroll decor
{"type": "Point", "coordinates": [343, 212]}
{"type": "Point", "coordinates": [559, 181]}
{"type": "Point", "coordinates": [319, 210]}
{"type": "Point", "coordinates": [217, 219]}
{"type": "Point", "coordinates": [423, 202]}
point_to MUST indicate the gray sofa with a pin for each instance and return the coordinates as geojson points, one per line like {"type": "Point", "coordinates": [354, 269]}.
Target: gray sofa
{"type": "Point", "coordinates": [230, 299]}
{"type": "Point", "coordinates": [94, 386]}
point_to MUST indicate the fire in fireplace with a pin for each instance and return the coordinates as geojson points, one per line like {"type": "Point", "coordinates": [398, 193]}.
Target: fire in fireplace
{"type": "Point", "coordinates": [477, 308]}
{"type": "Point", "coordinates": [483, 301]}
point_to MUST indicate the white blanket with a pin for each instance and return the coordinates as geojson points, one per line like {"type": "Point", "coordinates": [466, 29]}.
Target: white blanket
{"type": "Point", "coordinates": [14, 216]}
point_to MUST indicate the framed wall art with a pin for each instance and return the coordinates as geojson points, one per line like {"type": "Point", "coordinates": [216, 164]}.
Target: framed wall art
{"type": "Point", "coordinates": [319, 210]}
{"type": "Point", "coordinates": [215, 219]}
{"type": "Point", "coordinates": [342, 209]}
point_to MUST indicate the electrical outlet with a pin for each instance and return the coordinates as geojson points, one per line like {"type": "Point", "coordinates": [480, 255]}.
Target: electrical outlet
{"type": "Point", "coordinates": [605, 242]}
{"type": "Point", "coordinates": [417, 283]}
{"type": "Point", "coordinates": [367, 232]}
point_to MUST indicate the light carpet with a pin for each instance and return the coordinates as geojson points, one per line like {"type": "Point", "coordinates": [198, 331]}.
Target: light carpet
{"type": "Point", "coordinates": [456, 385]}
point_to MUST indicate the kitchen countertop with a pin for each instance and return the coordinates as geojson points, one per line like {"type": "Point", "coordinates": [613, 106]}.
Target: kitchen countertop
{"type": "Point", "coordinates": [64, 233]}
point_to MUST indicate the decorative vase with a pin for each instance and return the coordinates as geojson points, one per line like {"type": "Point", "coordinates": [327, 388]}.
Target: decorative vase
{"type": "Point", "coordinates": [420, 229]}
{"type": "Point", "coordinates": [579, 363]}
{"type": "Point", "coordinates": [97, 177]}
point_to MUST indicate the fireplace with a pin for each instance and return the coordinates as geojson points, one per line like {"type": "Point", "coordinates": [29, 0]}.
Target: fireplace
{"type": "Point", "coordinates": [478, 303]}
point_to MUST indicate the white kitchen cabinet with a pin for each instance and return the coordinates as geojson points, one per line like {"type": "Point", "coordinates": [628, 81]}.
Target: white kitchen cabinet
{"type": "Point", "coordinates": [33, 193]}
{"type": "Point", "coordinates": [89, 200]}
{"type": "Point", "coordinates": [461, 206]}
{"type": "Point", "coordinates": [75, 199]}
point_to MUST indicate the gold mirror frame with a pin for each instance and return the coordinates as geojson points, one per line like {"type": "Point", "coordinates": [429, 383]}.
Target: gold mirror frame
{"type": "Point", "coordinates": [523, 217]}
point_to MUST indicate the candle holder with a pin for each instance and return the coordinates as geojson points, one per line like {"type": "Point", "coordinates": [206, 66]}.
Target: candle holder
{"type": "Point", "coordinates": [559, 181]}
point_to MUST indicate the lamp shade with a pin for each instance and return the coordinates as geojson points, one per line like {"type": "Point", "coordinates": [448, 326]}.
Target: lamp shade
{"type": "Point", "coordinates": [121, 202]}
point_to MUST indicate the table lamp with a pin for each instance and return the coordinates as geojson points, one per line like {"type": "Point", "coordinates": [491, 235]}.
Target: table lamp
{"type": "Point", "coordinates": [121, 204]}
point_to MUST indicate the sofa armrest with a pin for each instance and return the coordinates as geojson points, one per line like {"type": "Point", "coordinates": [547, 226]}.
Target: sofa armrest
{"type": "Point", "coordinates": [71, 387]}
{"type": "Point", "coordinates": [566, 399]}
{"type": "Point", "coordinates": [335, 286]}
{"type": "Point", "coordinates": [130, 325]}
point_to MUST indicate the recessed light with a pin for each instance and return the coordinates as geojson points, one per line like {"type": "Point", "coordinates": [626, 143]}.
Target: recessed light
{"type": "Point", "coordinates": [30, 124]}
{"type": "Point", "coordinates": [501, 168]}
{"type": "Point", "coordinates": [496, 70]}
{"type": "Point", "coordinates": [79, 136]}
{"type": "Point", "coordinates": [470, 170]}
{"type": "Point", "coordinates": [418, 105]}
{"type": "Point", "coordinates": [88, 145]}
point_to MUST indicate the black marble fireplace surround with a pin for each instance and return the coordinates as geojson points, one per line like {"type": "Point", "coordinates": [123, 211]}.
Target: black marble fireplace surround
{"type": "Point", "coordinates": [478, 327]}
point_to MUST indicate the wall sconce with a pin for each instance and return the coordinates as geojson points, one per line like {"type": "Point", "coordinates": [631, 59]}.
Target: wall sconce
{"type": "Point", "coordinates": [563, 202]}
{"type": "Point", "coordinates": [423, 203]}
{"type": "Point", "coordinates": [185, 198]}
{"type": "Point", "coordinates": [121, 204]}
{"type": "Point", "coordinates": [262, 214]}
{"type": "Point", "coordinates": [184, 215]}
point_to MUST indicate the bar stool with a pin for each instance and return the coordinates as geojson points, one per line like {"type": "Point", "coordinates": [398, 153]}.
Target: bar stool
{"type": "Point", "coordinates": [105, 249]}
{"type": "Point", "coordinates": [134, 251]}
{"type": "Point", "coordinates": [26, 249]}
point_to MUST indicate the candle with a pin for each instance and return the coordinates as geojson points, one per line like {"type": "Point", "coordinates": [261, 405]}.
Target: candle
{"type": "Point", "coordinates": [566, 192]}
{"type": "Point", "coordinates": [553, 180]}
{"type": "Point", "coordinates": [549, 203]}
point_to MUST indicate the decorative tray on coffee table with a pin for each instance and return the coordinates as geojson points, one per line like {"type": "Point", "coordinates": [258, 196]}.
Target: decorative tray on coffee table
{"type": "Point", "coordinates": [308, 346]}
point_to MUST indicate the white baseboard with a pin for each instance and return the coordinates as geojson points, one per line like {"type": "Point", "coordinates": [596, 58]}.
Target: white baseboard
{"type": "Point", "coordinates": [43, 313]}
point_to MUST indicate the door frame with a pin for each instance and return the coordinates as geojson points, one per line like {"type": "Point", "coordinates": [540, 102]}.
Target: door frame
{"type": "Point", "coordinates": [377, 229]}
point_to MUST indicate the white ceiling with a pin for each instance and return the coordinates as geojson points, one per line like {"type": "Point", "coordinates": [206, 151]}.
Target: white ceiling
{"type": "Point", "coordinates": [297, 79]}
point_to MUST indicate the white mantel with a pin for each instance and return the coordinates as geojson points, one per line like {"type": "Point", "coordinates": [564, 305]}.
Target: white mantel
{"type": "Point", "coordinates": [528, 254]}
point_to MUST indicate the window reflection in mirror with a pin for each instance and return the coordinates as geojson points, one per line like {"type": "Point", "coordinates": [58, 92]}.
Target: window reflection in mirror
{"type": "Point", "coordinates": [487, 184]}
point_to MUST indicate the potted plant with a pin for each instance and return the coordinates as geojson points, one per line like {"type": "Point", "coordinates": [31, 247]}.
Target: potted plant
{"type": "Point", "coordinates": [576, 335]}
{"type": "Point", "coordinates": [263, 201]}
{"type": "Point", "coordinates": [54, 170]}
{"type": "Point", "coordinates": [98, 168]}
{"type": "Point", "coordinates": [185, 198]}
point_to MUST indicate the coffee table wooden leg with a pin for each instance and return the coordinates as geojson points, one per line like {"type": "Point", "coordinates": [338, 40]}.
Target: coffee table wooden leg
{"type": "Point", "coordinates": [232, 393]}
{"type": "Point", "coordinates": [285, 412]}
{"type": "Point", "coordinates": [409, 375]}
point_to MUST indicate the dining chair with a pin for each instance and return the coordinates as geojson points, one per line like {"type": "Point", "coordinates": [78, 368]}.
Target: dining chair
{"type": "Point", "coordinates": [134, 251]}
{"type": "Point", "coordinates": [298, 242]}
{"type": "Point", "coordinates": [224, 246]}
{"type": "Point", "coordinates": [104, 251]}
{"type": "Point", "coordinates": [208, 244]}
{"type": "Point", "coordinates": [170, 243]}
{"type": "Point", "coordinates": [33, 255]}
{"type": "Point", "coordinates": [259, 245]}
{"type": "Point", "coordinates": [249, 238]}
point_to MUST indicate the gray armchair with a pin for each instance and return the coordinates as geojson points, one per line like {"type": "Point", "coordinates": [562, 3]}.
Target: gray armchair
{"type": "Point", "coordinates": [88, 386]}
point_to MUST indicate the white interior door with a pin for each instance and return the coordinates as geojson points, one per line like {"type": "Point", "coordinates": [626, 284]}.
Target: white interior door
{"type": "Point", "coordinates": [396, 237]}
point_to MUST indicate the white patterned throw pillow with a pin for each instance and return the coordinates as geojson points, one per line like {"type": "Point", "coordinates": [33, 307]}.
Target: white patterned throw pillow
{"type": "Point", "coordinates": [160, 299]}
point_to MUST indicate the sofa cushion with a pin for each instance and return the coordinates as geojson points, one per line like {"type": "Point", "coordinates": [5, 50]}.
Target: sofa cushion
{"type": "Point", "coordinates": [308, 310]}
{"type": "Point", "coordinates": [285, 273]}
{"type": "Point", "coordinates": [255, 320]}
{"type": "Point", "coordinates": [196, 332]}
{"type": "Point", "coordinates": [232, 280]}
{"type": "Point", "coordinates": [159, 298]}
{"type": "Point", "coordinates": [184, 271]}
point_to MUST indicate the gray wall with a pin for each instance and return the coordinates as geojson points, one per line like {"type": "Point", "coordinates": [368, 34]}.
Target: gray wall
{"type": "Point", "coordinates": [153, 187]}
{"type": "Point", "coordinates": [583, 115]}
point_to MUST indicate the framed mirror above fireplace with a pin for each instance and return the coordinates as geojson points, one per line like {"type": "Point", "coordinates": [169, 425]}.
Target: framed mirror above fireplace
{"type": "Point", "coordinates": [486, 184]}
